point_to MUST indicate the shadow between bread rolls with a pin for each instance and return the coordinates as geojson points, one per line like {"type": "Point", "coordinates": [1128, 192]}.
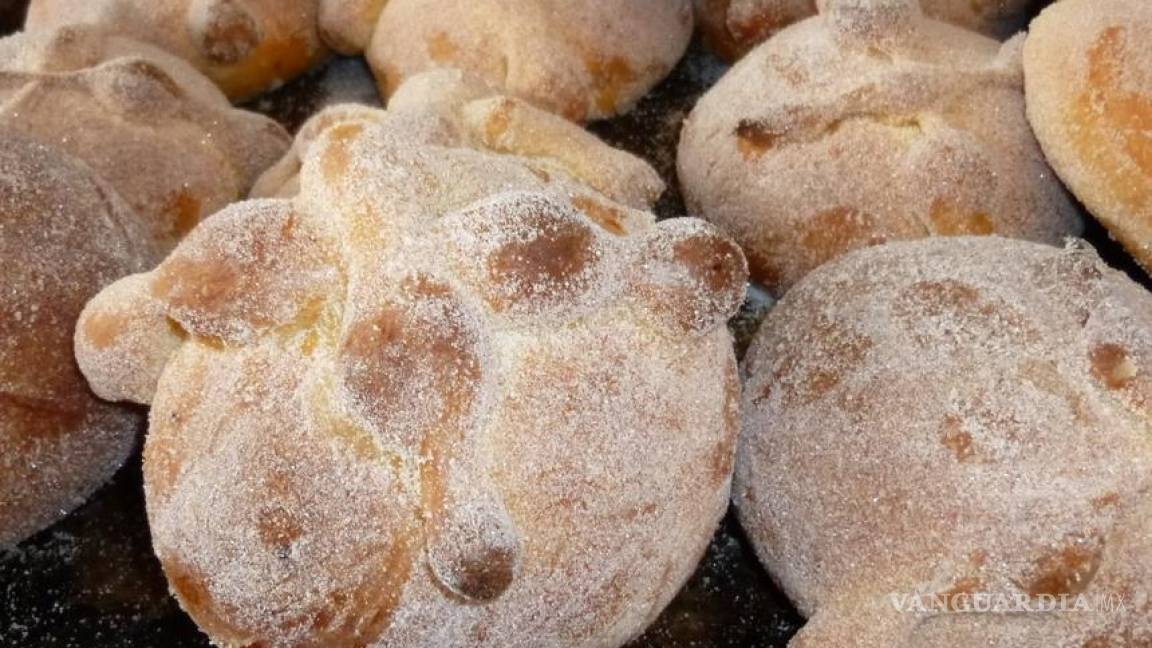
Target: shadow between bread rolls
{"type": "Point", "coordinates": [454, 386]}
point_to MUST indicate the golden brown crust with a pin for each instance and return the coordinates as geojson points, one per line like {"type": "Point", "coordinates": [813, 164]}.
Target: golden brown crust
{"type": "Point", "coordinates": [245, 46]}
{"type": "Point", "coordinates": [508, 125]}
{"type": "Point", "coordinates": [1090, 102]}
{"type": "Point", "coordinates": [292, 480]}
{"type": "Point", "coordinates": [954, 418]}
{"type": "Point", "coordinates": [244, 272]}
{"type": "Point", "coordinates": [732, 28]}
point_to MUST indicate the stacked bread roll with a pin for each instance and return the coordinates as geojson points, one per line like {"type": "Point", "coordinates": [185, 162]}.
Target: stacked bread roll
{"type": "Point", "coordinates": [65, 235]}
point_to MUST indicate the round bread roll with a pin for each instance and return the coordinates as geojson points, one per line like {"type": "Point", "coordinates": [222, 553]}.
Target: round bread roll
{"type": "Point", "coordinates": [866, 124]}
{"type": "Point", "coordinates": [245, 46]}
{"type": "Point", "coordinates": [948, 426]}
{"type": "Point", "coordinates": [64, 234]}
{"type": "Point", "coordinates": [584, 60]}
{"type": "Point", "coordinates": [147, 123]}
{"type": "Point", "coordinates": [1088, 81]}
{"type": "Point", "coordinates": [448, 394]}
{"type": "Point", "coordinates": [731, 28]}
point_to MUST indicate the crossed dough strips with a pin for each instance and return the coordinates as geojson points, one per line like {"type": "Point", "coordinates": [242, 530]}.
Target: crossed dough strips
{"type": "Point", "coordinates": [151, 126]}
{"type": "Point", "coordinates": [864, 125]}
{"type": "Point", "coordinates": [458, 387]}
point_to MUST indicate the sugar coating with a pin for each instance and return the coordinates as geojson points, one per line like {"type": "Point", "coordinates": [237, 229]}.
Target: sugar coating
{"type": "Point", "coordinates": [282, 179]}
{"type": "Point", "coordinates": [441, 396]}
{"type": "Point", "coordinates": [863, 125]}
{"type": "Point", "coordinates": [125, 341]}
{"type": "Point", "coordinates": [732, 28]}
{"type": "Point", "coordinates": [1088, 82]}
{"type": "Point", "coordinates": [954, 416]}
{"type": "Point", "coordinates": [447, 106]}
{"type": "Point", "coordinates": [64, 234]}
{"type": "Point", "coordinates": [245, 46]}
{"type": "Point", "coordinates": [584, 60]}
{"type": "Point", "coordinates": [146, 122]}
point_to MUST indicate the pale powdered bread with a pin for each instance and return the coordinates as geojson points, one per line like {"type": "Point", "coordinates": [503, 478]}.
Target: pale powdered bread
{"type": "Point", "coordinates": [146, 122]}
{"type": "Point", "coordinates": [245, 46]}
{"type": "Point", "coordinates": [865, 124]}
{"type": "Point", "coordinates": [1088, 81]}
{"type": "Point", "coordinates": [454, 391]}
{"type": "Point", "coordinates": [64, 234]}
{"type": "Point", "coordinates": [733, 27]}
{"type": "Point", "coordinates": [955, 420]}
{"type": "Point", "coordinates": [584, 60]}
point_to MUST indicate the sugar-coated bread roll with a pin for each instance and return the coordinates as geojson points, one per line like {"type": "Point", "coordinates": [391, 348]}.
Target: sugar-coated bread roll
{"type": "Point", "coordinates": [865, 124]}
{"type": "Point", "coordinates": [245, 46]}
{"type": "Point", "coordinates": [584, 60]}
{"type": "Point", "coordinates": [733, 27]}
{"type": "Point", "coordinates": [64, 234]}
{"type": "Point", "coordinates": [945, 425]}
{"type": "Point", "coordinates": [1088, 81]}
{"type": "Point", "coordinates": [146, 122]}
{"type": "Point", "coordinates": [448, 394]}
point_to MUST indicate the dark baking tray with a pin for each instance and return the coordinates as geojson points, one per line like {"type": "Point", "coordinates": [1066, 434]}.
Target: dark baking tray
{"type": "Point", "coordinates": [92, 580]}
